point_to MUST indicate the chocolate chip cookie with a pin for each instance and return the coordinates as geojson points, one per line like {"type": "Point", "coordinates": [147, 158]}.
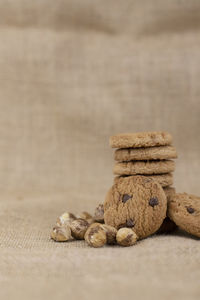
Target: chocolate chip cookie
{"type": "Point", "coordinates": [149, 153]}
{"type": "Point", "coordinates": [144, 167]}
{"type": "Point", "coordinates": [184, 210]}
{"type": "Point", "coordinates": [140, 139]}
{"type": "Point", "coordinates": [136, 202]}
{"type": "Point", "coordinates": [163, 179]}
{"type": "Point", "coordinates": [169, 192]}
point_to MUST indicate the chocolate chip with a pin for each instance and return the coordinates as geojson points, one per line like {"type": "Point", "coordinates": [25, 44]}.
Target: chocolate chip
{"type": "Point", "coordinates": [130, 223]}
{"type": "Point", "coordinates": [153, 201]}
{"type": "Point", "coordinates": [190, 210]}
{"type": "Point", "coordinates": [125, 198]}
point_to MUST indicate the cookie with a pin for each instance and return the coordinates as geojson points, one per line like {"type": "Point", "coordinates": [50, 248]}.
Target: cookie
{"type": "Point", "coordinates": [168, 225]}
{"type": "Point", "coordinates": [144, 167]}
{"type": "Point", "coordinates": [169, 192]}
{"type": "Point", "coordinates": [184, 210]}
{"type": "Point", "coordinates": [137, 202]}
{"type": "Point", "coordinates": [149, 153]}
{"type": "Point", "coordinates": [140, 139]}
{"type": "Point", "coordinates": [163, 179]}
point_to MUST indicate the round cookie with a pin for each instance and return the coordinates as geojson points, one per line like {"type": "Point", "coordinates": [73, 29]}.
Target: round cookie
{"type": "Point", "coordinates": [149, 153]}
{"type": "Point", "coordinates": [140, 139]}
{"type": "Point", "coordinates": [137, 202]}
{"type": "Point", "coordinates": [163, 179]}
{"type": "Point", "coordinates": [169, 192]}
{"type": "Point", "coordinates": [184, 210]}
{"type": "Point", "coordinates": [144, 167]}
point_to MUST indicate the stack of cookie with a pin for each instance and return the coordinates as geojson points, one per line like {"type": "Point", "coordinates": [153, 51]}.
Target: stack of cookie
{"type": "Point", "coordinates": [149, 154]}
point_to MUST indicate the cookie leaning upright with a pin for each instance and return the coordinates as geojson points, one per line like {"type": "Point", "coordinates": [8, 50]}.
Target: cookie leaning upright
{"type": "Point", "coordinates": [137, 202]}
{"type": "Point", "coordinates": [184, 210]}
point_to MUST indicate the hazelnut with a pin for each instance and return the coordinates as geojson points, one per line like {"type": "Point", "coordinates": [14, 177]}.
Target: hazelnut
{"type": "Point", "coordinates": [90, 221]}
{"type": "Point", "coordinates": [95, 235]}
{"type": "Point", "coordinates": [65, 218]}
{"type": "Point", "coordinates": [126, 237]}
{"type": "Point", "coordinates": [99, 213]}
{"type": "Point", "coordinates": [61, 233]}
{"type": "Point", "coordinates": [86, 216]}
{"type": "Point", "coordinates": [110, 233]}
{"type": "Point", "coordinates": [78, 228]}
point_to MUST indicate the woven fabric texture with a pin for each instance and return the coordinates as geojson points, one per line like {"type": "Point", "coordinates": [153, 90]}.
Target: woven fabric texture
{"type": "Point", "coordinates": [72, 73]}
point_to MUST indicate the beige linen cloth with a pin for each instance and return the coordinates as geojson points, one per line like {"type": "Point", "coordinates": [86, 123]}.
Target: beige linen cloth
{"type": "Point", "coordinates": [72, 73]}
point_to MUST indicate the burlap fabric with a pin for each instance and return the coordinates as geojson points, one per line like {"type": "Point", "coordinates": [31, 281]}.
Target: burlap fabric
{"type": "Point", "coordinates": [73, 73]}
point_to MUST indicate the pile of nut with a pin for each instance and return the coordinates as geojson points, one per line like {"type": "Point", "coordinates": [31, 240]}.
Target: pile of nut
{"type": "Point", "coordinates": [91, 228]}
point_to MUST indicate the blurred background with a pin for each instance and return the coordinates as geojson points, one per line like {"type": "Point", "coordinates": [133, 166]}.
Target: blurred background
{"type": "Point", "coordinates": [74, 72]}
